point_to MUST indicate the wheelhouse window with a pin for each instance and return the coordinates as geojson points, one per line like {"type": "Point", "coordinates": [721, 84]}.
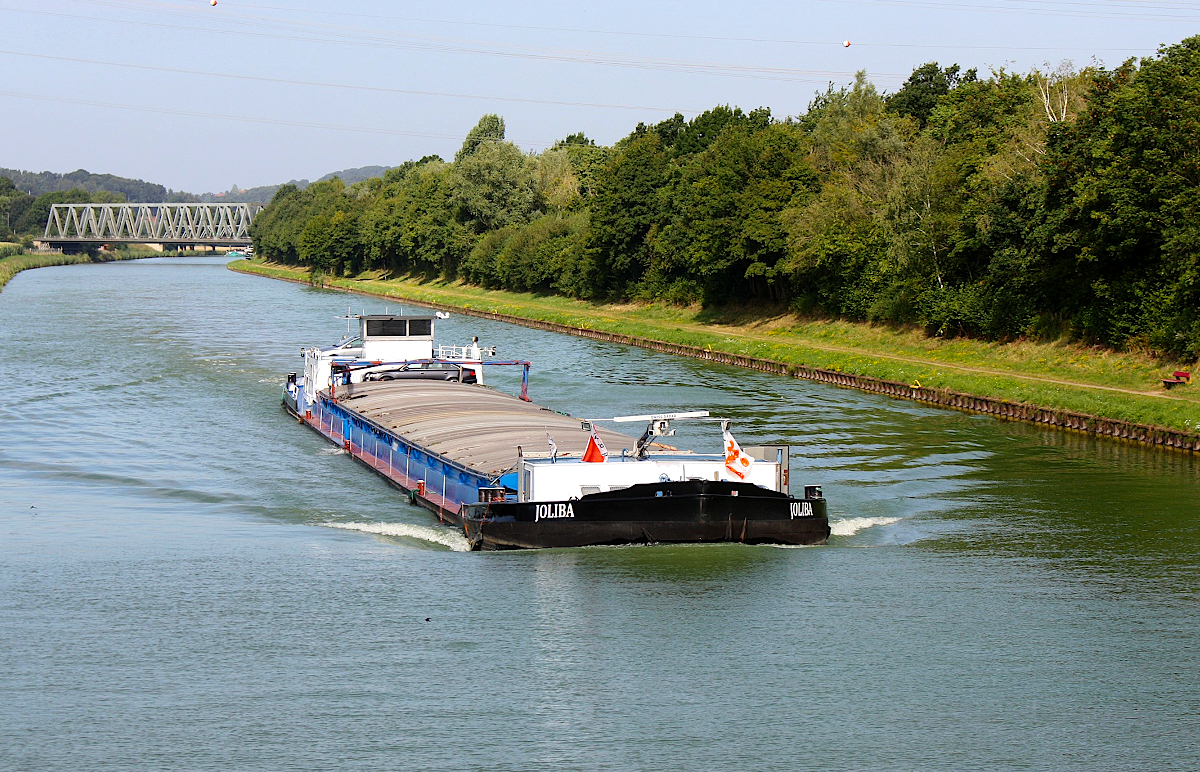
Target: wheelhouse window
{"type": "Point", "coordinates": [399, 327]}
{"type": "Point", "coordinates": [390, 328]}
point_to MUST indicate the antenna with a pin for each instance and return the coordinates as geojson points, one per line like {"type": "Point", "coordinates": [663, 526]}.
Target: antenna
{"type": "Point", "coordinates": [349, 315]}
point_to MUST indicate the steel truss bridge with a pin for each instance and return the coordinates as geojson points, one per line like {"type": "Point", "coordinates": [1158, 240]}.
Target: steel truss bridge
{"type": "Point", "coordinates": [173, 224]}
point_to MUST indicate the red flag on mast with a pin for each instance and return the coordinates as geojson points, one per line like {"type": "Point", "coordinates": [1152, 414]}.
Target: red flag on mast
{"type": "Point", "coordinates": [595, 452]}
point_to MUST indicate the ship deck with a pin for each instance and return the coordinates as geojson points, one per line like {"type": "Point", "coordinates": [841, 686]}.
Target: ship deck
{"type": "Point", "coordinates": [476, 427]}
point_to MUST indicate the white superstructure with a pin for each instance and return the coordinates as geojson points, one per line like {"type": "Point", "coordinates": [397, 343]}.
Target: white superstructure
{"type": "Point", "coordinates": [546, 479]}
{"type": "Point", "coordinates": [386, 346]}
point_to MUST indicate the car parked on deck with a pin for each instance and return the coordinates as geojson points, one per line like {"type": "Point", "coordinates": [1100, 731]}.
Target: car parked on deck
{"type": "Point", "coordinates": [431, 371]}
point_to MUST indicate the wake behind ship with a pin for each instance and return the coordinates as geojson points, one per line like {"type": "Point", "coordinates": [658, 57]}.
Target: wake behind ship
{"type": "Point", "coordinates": [512, 474]}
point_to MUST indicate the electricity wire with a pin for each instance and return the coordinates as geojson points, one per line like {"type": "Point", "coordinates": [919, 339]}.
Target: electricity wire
{"type": "Point", "coordinates": [418, 43]}
{"type": "Point", "coordinates": [350, 86]}
{"type": "Point", "coordinates": [250, 119]}
{"type": "Point", "coordinates": [672, 35]}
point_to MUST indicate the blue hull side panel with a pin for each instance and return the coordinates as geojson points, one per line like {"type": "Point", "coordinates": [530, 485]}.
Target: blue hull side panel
{"type": "Point", "coordinates": [430, 480]}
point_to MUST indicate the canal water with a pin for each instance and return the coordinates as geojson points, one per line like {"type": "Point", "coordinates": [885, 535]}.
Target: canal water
{"type": "Point", "coordinates": [191, 581]}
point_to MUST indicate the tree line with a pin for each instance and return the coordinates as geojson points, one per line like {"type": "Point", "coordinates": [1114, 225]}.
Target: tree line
{"type": "Point", "coordinates": [37, 183]}
{"type": "Point", "coordinates": [1007, 206]}
{"type": "Point", "coordinates": [23, 215]}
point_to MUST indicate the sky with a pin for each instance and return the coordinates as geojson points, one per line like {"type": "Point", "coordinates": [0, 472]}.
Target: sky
{"type": "Point", "coordinates": [202, 97]}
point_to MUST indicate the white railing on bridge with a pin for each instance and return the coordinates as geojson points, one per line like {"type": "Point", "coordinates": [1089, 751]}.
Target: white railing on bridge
{"type": "Point", "coordinates": [226, 224]}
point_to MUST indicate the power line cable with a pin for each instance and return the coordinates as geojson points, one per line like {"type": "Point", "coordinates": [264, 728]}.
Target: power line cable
{"type": "Point", "coordinates": [1017, 10]}
{"type": "Point", "coordinates": [250, 119]}
{"type": "Point", "coordinates": [351, 86]}
{"type": "Point", "coordinates": [675, 36]}
{"type": "Point", "coordinates": [418, 43]}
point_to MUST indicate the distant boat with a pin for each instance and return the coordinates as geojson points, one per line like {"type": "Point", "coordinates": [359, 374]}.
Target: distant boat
{"type": "Point", "coordinates": [235, 253]}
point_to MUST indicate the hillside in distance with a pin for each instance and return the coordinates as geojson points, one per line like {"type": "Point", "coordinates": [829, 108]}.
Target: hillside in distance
{"type": "Point", "coordinates": [140, 191]}
{"type": "Point", "coordinates": [38, 183]}
{"type": "Point", "coordinates": [263, 193]}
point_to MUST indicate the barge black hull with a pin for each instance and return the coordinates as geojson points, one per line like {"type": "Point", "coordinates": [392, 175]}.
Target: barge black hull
{"type": "Point", "coordinates": [692, 511]}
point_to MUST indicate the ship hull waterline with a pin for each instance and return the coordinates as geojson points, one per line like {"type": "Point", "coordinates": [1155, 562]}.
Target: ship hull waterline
{"type": "Point", "coordinates": [688, 511]}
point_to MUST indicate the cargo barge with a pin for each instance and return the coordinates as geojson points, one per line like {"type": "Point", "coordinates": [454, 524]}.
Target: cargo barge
{"type": "Point", "coordinates": [512, 474]}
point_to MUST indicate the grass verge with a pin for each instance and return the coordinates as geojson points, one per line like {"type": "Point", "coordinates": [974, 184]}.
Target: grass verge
{"type": "Point", "coordinates": [1120, 385]}
{"type": "Point", "coordinates": [12, 265]}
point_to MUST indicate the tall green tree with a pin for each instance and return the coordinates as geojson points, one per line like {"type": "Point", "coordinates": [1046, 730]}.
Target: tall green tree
{"type": "Point", "coordinates": [924, 88]}
{"type": "Point", "coordinates": [625, 208]}
{"type": "Point", "coordinates": [489, 131]}
{"type": "Point", "coordinates": [10, 201]}
{"type": "Point", "coordinates": [849, 127]}
{"type": "Point", "coordinates": [722, 236]}
{"type": "Point", "coordinates": [418, 230]}
{"type": "Point", "coordinates": [494, 187]}
{"type": "Point", "coordinates": [1123, 183]}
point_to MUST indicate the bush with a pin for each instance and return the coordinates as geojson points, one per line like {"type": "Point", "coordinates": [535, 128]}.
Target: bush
{"type": "Point", "coordinates": [545, 255]}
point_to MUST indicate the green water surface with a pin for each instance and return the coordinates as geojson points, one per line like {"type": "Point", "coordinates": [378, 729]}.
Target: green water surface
{"type": "Point", "coordinates": [191, 581]}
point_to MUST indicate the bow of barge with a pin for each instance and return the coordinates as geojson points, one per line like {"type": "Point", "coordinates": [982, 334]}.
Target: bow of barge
{"type": "Point", "coordinates": [512, 474]}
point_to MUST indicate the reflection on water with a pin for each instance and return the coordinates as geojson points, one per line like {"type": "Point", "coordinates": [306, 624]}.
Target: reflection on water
{"type": "Point", "coordinates": [189, 579]}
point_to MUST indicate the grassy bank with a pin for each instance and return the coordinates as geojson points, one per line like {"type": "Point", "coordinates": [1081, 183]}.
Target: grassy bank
{"type": "Point", "coordinates": [1120, 385]}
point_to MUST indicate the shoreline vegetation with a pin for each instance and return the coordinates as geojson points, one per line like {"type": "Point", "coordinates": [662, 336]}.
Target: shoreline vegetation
{"type": "Point", "coordinates": [1003, 207]}
{"type": "Point", "coordinates": [14, 259]}
{"type": "Point", "coordinates": [1059, 376]}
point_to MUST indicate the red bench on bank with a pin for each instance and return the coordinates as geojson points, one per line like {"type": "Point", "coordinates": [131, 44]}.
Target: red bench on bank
{"type": "Point", "coordinates": [1177, 377]}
